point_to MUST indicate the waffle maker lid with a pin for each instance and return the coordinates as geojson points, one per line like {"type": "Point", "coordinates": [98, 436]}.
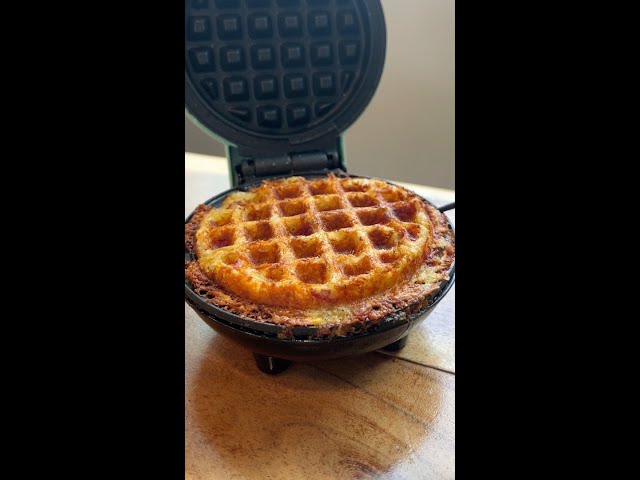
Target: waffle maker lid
{"type": "Point", "coordinates": [279, 81]}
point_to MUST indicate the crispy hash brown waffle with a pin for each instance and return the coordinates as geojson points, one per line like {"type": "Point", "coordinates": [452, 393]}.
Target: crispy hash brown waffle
{"type": "Point", "coordinates": [329, 251]}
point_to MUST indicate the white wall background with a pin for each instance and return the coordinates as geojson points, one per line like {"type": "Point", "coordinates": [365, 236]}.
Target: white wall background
{"type": "Point", "coordinates": [408, 131]}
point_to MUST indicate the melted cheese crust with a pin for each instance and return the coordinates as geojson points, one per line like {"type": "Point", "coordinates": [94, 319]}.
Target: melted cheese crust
{"type": "Point", "coordinates": [250, 264]}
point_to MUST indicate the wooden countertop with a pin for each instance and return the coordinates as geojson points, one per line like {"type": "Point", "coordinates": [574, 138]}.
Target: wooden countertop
{"type": "Point", "coordinates": [372, 416]}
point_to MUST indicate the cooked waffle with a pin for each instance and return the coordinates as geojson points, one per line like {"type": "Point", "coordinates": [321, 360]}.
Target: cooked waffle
{"type": "Point", "coordinates": [318, 245]}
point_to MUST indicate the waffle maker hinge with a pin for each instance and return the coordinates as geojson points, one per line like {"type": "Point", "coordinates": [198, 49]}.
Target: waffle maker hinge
{"type": "Point", "coordinates": [248, 169]}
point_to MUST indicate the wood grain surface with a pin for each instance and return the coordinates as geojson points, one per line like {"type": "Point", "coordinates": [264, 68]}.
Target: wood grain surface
{"type": "Point", "coordinates": [371, 416]}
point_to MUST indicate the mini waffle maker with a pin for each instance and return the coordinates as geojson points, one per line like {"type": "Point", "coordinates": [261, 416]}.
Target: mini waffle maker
{"type": "Point", "coordinates": [279, 81]}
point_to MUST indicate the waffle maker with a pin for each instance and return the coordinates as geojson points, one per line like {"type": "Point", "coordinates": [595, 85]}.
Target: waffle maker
{"type": "Point", "coordinates": [278, 82]}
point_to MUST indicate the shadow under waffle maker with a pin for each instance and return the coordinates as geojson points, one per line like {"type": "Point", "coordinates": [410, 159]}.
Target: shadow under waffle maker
{"type": "Point", "coordinates": [279, 81]}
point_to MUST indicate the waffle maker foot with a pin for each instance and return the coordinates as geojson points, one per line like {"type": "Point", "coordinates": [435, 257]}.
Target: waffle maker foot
{"type": "Point", "coordinates": [397, 345]}
{"type": "Point", "coordinates": [271, 365]}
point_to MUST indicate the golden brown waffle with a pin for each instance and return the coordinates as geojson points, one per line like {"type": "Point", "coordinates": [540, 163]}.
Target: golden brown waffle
{"type": "Point", "coordinates": [312, 244]}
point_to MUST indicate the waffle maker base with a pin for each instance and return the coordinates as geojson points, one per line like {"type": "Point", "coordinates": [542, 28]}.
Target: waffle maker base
{"type": "Point", "coordinates": [274, 353]}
